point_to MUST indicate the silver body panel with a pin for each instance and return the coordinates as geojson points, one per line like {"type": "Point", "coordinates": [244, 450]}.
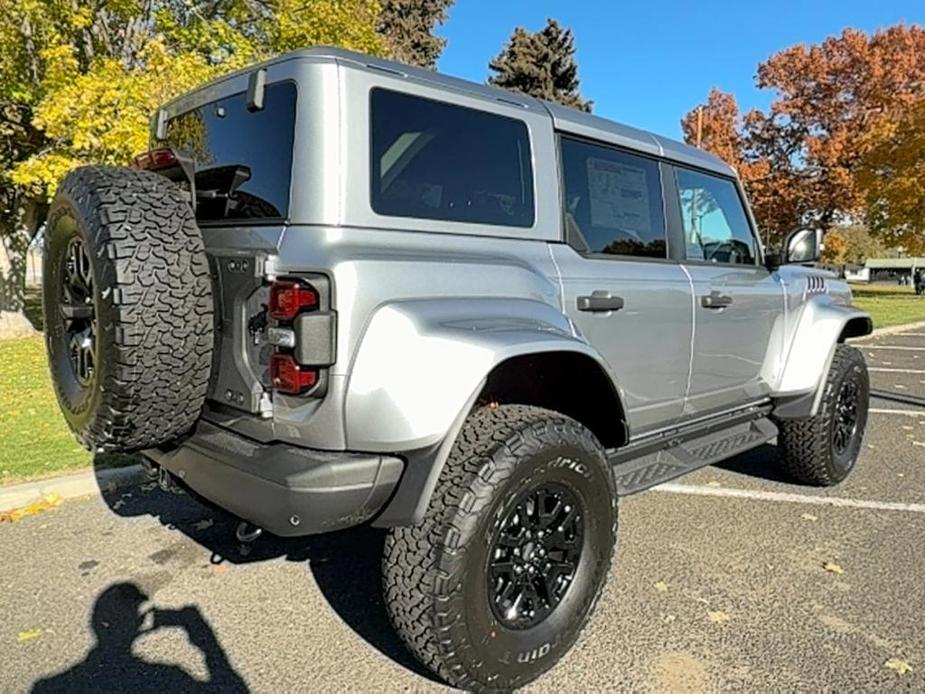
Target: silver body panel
{"type": "Point", "coordinates": [426, 309]}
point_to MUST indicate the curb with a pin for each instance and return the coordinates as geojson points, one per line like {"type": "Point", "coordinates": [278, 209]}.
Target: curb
{"type": "Point", "coordinates": [893, 329]}
{"type": "Point", "coordinates": [88, 482]}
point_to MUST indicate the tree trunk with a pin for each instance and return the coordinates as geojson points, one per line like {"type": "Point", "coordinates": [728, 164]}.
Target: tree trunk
{"type": "Point", "coordinates": [15, 235]}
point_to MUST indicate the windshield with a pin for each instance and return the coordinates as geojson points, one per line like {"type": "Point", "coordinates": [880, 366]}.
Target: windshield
{"type": "Point", "coordinates": [243, 158]}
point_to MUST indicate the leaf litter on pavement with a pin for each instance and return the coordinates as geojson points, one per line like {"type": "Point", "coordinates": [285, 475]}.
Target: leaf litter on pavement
{"type": "Point", "coordinates": [899, 665]}
{"type": "Point", "coordinates": [46, 503]}
{"type": "Point", "coordinates": [29, 635]}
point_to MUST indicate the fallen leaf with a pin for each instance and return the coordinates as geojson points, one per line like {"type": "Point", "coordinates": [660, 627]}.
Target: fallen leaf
{"type": "Point", "coordinates": [668, 618]}
{"type": "Point", "coordinates": [832, 567]}
{"type": "Point", "coordinates": [661, 586]}
{"type": "Point", "coordinates": [204, 524]}
{"type": "Point", "coordinates": [899, 665]}
{"type": "Point", "coordinates": [712, 483]}
{"type": "Point", "coordinates": [718, 617]}
{"type": "Point", "coordinates": [808, 516]}
{"type": "Point", "coordinates": [918, 443]}
{"type": "Point", "coordinates": [28, 635]}
{"type": "Point", "coordinates": [907, 428]}
{"type": "Point", "coordinates": [48, 502]}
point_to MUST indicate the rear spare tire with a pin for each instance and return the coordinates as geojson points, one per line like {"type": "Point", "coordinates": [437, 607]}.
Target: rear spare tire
{"type": "Point", "coordinates": [128, 308]}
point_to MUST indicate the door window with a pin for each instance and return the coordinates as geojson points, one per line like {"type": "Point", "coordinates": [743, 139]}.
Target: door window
{"type": "Point", "coordinates": [613, 201]}
{"type": "Point", "coordinates": [716, 228]}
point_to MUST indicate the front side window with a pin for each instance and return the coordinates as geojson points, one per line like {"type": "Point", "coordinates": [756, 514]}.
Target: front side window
{"type": "Point", "coordinates": [716, 227]}
{"type": "Point", "coordinates": [434, 160]}
{"type": "Point", "coordinates": [613, 201]}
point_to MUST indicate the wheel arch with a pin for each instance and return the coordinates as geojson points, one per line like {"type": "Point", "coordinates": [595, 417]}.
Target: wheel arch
{"type": "Point", "coordinates": [574, 384]}
{"type": "Point", "coordinates": [568, 382]}
{"type": "Point", "coordinates": [821, 327]}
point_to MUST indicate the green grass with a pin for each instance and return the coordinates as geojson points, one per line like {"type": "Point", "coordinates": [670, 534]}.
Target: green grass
{"type": "Point", "coordinates": [34, 439]}
{"type": "Point", "coordinates": [889, 304]}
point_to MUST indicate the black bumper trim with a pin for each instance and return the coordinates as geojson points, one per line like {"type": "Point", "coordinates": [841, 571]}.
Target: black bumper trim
{"type": "Point", "coordinates": [284, 489]}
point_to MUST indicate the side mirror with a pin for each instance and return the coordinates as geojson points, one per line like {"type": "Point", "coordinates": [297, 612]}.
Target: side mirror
{"type": "Point", "coordinates": [803, 246]}
{"type": "Point", "coordinates": [772, 261]}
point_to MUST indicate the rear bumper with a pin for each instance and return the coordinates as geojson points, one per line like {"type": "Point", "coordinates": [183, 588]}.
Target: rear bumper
{"type": "Point", "coordinates": [281, 488]}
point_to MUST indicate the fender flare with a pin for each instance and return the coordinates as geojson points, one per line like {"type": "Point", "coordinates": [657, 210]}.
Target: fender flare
{"type": "Point", "coordinates": [821, 326]}
{"type": "Point", "coordinates": [419, 370]}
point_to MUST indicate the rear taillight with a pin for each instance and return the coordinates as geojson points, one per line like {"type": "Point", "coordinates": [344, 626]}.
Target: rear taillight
{"type": "Point", "coordinates": [289, 377]}
{"type": "Point", "coordinates": [157, 160]}
{"type": "Point", "coordinates": [288, 299]}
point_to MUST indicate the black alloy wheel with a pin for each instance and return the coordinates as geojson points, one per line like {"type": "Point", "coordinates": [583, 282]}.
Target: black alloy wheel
{"type": "Point", "coordinates": [77, 311]}
{"type": "Point", "coordinates": [535, 555]}
{"type": "Point", "coordinates": [845, 426]}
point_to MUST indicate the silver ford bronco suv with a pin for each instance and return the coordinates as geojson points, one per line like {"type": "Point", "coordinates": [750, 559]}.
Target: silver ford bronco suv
{"type": "Point", "coordinates": [339, 291]}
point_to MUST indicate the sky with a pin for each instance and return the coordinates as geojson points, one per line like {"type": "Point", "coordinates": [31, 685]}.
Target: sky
{"type": "Point", "coordinates": [646, 63]}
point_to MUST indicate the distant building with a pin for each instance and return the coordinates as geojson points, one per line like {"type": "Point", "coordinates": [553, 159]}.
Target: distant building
{"type": "Point", "coordinates": [892, 269]}
{"type": "Point", "coordinates": [857, 273]}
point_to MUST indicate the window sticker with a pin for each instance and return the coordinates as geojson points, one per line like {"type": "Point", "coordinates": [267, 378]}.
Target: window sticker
{"type": "Point", "coordinates": [619, 196]}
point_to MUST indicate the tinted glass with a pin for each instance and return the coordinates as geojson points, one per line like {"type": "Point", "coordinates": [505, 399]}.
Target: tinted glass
{"type": "Point", "coordinates": [613, 201]}
{"type": "Point", "coordinates": [243, 159]}
{"type": "Point", "coordinates": [715, 224]}
{"type": "Point", "coordinates": [438, 161]}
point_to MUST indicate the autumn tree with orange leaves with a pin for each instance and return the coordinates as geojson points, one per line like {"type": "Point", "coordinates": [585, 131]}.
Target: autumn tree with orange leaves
{"type": "Point", "coordinates": [803, 160]}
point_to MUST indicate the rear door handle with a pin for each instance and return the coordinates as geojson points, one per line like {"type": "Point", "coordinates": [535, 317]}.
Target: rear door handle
{"type": "Point", "coordinates": [600, 301]}
{"type": "Point", "coordinates": [715, 300]}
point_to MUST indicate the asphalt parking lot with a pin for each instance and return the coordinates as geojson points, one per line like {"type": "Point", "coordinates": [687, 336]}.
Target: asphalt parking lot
{"type": "Point", "coordinates": [732, 578]}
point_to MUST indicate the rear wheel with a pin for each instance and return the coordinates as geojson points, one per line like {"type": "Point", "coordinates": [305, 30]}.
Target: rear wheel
{"type": "Point", "coordinates": [496, 583]}
{"type": "Point", "coordinates": [822, 449]}
{"type": "Point", "coordinates": [128, 308]}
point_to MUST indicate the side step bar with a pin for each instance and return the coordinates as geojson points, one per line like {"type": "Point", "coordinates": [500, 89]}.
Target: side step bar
{"type": "Point", "coordinates": [653, 460]}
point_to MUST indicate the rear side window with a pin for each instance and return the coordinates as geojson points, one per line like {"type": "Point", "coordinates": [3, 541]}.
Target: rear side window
{"type": "Point", "coordinates": [434, 160]}
{"type": "Point", "coordinates": [243, 158]}
{"type": "Point", "coordinates": [613, 201]}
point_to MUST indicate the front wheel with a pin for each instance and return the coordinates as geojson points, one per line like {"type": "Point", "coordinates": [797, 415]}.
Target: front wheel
{"type": "Point", "coordinates": [497, 582]}
{"type": "Point", "coordinates": [823, 448]}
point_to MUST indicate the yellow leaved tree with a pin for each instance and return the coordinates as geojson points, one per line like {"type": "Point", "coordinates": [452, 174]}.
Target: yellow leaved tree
{"type": "Point", "coordinates": [78, 82]}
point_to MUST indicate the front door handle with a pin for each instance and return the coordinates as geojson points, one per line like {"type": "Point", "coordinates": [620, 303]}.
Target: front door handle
{"type": "Point", "coordinates": [600, 301]}
{"type": "Point", "coordinates": [715, 300]}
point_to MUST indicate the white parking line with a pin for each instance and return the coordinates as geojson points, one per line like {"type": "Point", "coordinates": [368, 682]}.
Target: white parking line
{"type": "Point", "coordinates": [697, 490]}
{"type": "Point", "coordinates": [908, 413]}
{"type": "Point", "coordinates": [901, 371]}
{"type": "Point", "coordinates": [896, 347]}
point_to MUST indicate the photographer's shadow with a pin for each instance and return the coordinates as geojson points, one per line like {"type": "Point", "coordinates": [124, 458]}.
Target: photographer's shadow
{"type": "Point", "coordinates": [346, 565]}
{"type": "Point", "coordinates": [118, 620]}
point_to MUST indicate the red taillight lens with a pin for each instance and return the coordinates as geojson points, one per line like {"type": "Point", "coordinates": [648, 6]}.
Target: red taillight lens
{"type": "Point", "coordinates": [288, 299]}
{"type": "Point", "coordinates": [156, 160]}
{"type": "Point", "coordinates": [289, 377]}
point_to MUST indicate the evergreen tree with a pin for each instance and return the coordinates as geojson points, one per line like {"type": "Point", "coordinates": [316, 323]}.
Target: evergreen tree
{"type": "Point", "coordinates": [541, 64]}
{"type": "Point", "coordinates": [406, 26]}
